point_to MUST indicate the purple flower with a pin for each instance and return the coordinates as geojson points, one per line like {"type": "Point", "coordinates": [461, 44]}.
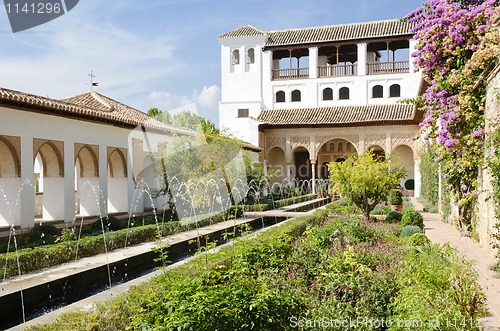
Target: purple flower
{"type": "Point", "coordinates": [478, 133]}
{"type": "Point", "coordinates": [473, 47]}
{"type": "Point", "coordinates": [464, 187]}
{"type": "Point", "coordinates": [446, 176]}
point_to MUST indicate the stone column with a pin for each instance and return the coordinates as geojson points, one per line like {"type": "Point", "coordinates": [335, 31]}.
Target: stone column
{"type": "Point", "coordinates": [27, 183]}
{"type": "Point", "coordinates": [313, 62]}
{"type": "Point", "coordinates": [69, 181]}
{"type": "Point", "coordinates": [313, 167]}
{"type": "Point", "coordinates": [418, 178]}
{"type": "Point", "coordinates": [103, 179]}
{"type": "Point", "coordinates": [362, 58]}
{"type": "Point", "coordinates": [289, 170]}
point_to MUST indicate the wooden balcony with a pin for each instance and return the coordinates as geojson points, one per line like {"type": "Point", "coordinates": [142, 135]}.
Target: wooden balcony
{"type": "Point", "coordinates": [338, 70]}
{"type": "Point", "coordinates": [388, 67]}
{"type": "Point", "coordinates": [294, 73]}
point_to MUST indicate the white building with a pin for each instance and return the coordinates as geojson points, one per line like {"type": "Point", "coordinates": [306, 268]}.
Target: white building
{"type": "Point", "coordinates": [308, 96]}
{"type": "Point", "coordinates": [84, 156]}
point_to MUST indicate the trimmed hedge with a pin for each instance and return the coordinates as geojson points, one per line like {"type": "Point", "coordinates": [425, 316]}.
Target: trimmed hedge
{"type": "Point", "coordinates": [37, 258]}
{"type": "Point", "coordinates": [279, 203]}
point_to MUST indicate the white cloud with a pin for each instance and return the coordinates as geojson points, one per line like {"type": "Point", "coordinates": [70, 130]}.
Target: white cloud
{"type": "Point", "coordinates": [57, 62]}
{"type": "Point", "coordinates": [204, 103]}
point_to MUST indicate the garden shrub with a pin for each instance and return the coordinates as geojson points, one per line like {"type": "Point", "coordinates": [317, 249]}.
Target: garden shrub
{"type": "Point", "coordinates": [418, 239]}
{"type": "Point", "coordinates": [412, 217]}
{"type": "Point", "coordinates": [408, 230]}
{"type": "Point", "coordinates": [439, 289]}
{"type": "Point", "coordinates": [396, 197]}
{"type": "Point", "coordinates": [41, 234]}
{"type": "Point", "coordinates": [393, 216]}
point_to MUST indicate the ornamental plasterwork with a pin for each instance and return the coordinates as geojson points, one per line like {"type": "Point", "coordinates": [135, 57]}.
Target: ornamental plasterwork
{"type": "Point", "coordinates": [403, 139]}
{"type": "Point", "coordinates": [272, 142]}
{"type": "Point", "coordinates": [352, 138]}
{"type": "Point", "coordinates": [300, 142]}
{"type": "Point", "coordinates": [371, 140]}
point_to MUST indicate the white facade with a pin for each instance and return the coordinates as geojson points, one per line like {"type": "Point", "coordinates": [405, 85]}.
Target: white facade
{"type": "Point", "coordinates": [58, 168]}
{"type": "Point", "coordinates": [317, 71]}
{"type": "Point", "coordinates": [250, 84]}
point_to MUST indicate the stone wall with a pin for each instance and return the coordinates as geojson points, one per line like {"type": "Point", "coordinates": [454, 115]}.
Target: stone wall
{"type": "Point", "coordinates": [485, 212]}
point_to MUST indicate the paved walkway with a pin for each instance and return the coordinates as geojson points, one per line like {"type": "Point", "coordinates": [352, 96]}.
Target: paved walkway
{"type": "Point", "coordinates": [441, 232]}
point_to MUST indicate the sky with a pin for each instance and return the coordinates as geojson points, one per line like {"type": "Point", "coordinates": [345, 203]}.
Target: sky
{"type": "Point", "coordinates": [157, 53]}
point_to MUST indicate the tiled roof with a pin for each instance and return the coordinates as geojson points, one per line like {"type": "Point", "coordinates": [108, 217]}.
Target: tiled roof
{"type": "Point", "coordinates": [329, 33]}
{"type": "Point", "coordinates": [246, 31]}
{"type": "Point", "coordinates": [90, 106]}
{"type": "Point", "coordinates": [339, 115]}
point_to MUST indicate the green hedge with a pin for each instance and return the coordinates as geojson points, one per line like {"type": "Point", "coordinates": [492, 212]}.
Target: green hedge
{"type": "Point", "coordinates": [279, 203]}
{"type": "Point", "coordinates": [37, 258]}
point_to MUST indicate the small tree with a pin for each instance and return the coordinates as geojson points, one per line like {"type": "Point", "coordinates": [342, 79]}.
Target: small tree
{"type": "Point", "coordinates": [366, 180]}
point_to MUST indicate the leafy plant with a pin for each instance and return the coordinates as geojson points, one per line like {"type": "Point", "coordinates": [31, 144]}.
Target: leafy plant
{"type": "Point", "coordinates": [393, 216]}
{"type": "Point", "coordinates": [396, 197]}
{"type": "Point", "coordinates": [366, 180]}
{"type": "Point", "coordinates": [409, 230]}
{"type": "Point", "coordinates": [412, 217]}
{"type": "Point", "coordinates": [418, 239]}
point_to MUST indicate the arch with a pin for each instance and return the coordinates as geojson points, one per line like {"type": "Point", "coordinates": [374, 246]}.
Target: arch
{"type": "Point", "coordinates": [395, 91]}
{"type": "Point", "coordinates": [88, 162]}
{"type": "Point", "coordinates": [405, 157]}
{"type": "Point", "coordinates": [337, 147]}
{"type": "Point", "coordinates": [280, 96]}
{"type": "Point", "coordinates": [344, 93]}
{"type": "Point", "coordinates": [236, 56]}
{"type": "Point", "coordinates": [378, 152]}
{"type": "Point", "coordinates": [277, 164]}
{"type": "Point", "coordinates": [296, 96]}
{"type": "Point", "coordinates": [327, 94]}
{"type": "Point", "coordinates": [9, 162]}
{"type": "Point", "coordinates": [302, 163]}
{"type": "Point", "coordinates": [51, 159]}
{"type": "Point", "coordinates": [117, 164]}
{"type": "Point", "coordinates": [250, 56]}
{"type": "Point", "coordinates": [377, 92]}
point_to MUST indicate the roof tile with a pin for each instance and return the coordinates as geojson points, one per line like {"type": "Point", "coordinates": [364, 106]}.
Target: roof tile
{"type": "Point", "coordinates": [329, 33]}
{"type": "Point", "coordinates": [92, 105]}
{"type": "Point", "coordinates": [339, 115]}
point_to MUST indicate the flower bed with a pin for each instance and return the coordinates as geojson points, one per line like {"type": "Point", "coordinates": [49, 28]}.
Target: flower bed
{"type": "Point", "coordinates": [349, 273]}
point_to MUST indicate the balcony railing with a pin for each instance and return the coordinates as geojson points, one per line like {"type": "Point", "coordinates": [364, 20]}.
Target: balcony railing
{"type": "Point", "coordinates": [294, 73]}
{"type": "Point", "coordinates": [343, 70]}
{"type": "Point", "coordinates": [388, 67]}
{"type": "Point", "coordinates": [338, 70]}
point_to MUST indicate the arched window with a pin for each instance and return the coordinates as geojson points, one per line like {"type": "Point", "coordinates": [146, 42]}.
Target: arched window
{"type": "Point", "coordinates": [236, 56]}
{"type": "Point", "coordinates": [296, 95]}
{"type": "Point", "coordinates": [251, 56]}
{"type": "Point", "coordinates": [395, 91]}
{"type": "Point", "coordinates": [280, 96]}
{"type": "Point", "coordinates": [377, 91]}
{"type": "Point", "coordinates": [344, 93]}
{"type": "Point", "coordinates": [328, 94]}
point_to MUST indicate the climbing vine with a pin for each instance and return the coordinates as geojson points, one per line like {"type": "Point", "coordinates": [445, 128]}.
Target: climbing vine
{"type": "Point", "coordinates": [429, 172]}
{"type": "Point", "coordinates": [494, 165]}
{"type": "Point", "coordinates": [456, 49]}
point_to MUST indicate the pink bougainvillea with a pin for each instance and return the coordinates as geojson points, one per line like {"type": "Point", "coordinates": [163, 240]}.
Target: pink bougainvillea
{"type": "Point", "coordinates": [456, 49]}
